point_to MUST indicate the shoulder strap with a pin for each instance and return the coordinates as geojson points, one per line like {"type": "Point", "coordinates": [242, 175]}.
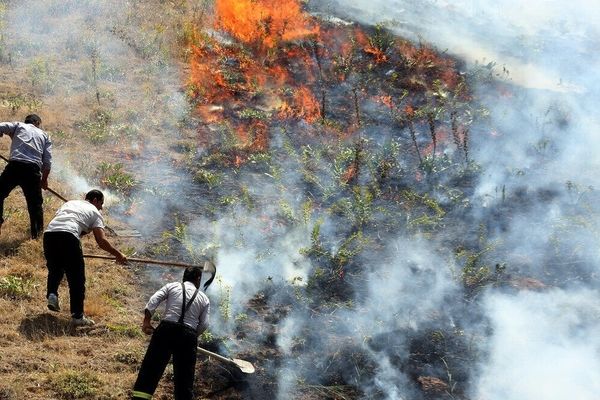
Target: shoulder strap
{"type": "Point", "coordinates": [184, 306]}
{"type": "Point", "coordinates": [182, 314]}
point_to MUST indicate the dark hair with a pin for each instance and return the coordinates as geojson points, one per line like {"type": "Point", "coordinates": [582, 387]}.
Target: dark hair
{"type": "Point", "coordinates": [192, 274]}
{"type": "Point", "coordinates": [94, 194]}
{"type": "Point", "coordinates": [33, 119]}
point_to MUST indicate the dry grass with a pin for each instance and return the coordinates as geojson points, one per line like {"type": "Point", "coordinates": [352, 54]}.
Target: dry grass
{"type": "Point", "coordinates": [42, 356]}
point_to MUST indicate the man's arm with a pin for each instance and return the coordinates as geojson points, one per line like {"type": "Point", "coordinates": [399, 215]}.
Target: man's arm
{"type": "Point", "coordinates": [203, 320]}
{"type": "Point", "coordinates": [104, 244]}
{"type": "Point", "coordinates": [157, 298]}
{"type": "Point", "coordinates": [46, 163]}
{"type": "Point", "coordinates": [7, 128]}
{"type": "Point", "coordinates": [45, 174]}
{"type": "Point", "coordinates": [147, 327]}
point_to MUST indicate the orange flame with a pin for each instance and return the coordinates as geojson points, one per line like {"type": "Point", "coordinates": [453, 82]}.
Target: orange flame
{"type": "Point", "coordinates": [387, 101]}
{"type": "Point", "coordinates": [264, 21]}
{"type": "Point", "coordinates": [305, 106]}
{"type": "Point", "coordinates": [308, 106]}
{"type": "Point", "coordinates": [368, 48]}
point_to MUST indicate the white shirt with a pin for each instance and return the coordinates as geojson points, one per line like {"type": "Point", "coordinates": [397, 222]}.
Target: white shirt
{"type": "Point", "coordinates": [76, 217]}
{"type": "Point", "coordinates": [196, 316]}
{"type": "Point", "coordinates": [29, 144]}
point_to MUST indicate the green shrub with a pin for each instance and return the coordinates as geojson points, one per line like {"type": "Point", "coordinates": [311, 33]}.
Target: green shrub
{"type": "Point", "coordinates": [125, 330]}
{"type": "Point", "coordinates": [205, 176]}
{"type": "Point", "coordinates": [127, 357]}
{"type": "Point", "coordinates": [75, 384]}
{"type": "Point", "coordinates": [113, 177]}
{"type": "Point", "coordinates": [15, 287]}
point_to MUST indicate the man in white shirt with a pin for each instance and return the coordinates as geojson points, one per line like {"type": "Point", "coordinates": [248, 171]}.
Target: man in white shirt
{"type": "Point", "coordinates": [177, 335]}
{"type": "Point", "coordinates": [28, 167]}
{"type": "Point", "coordinates": [62, 249]}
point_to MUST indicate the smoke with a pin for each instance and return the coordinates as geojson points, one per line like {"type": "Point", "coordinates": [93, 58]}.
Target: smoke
{"type": "Point", "coordinates": [95, 57]}
{"type": "Point", "coordinates": [537, 151]}
{"type": "Point", "coordinates": [544, 346]}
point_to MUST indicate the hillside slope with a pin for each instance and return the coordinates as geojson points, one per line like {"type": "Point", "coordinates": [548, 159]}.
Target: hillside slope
{"type": "Point", "coordinates": [327, 167]}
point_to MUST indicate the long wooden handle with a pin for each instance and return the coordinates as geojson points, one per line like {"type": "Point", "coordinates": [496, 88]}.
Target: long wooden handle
{"type": "Point", "coordinates": [144, 260]}
{"type": "Point", "coordinates": [57, 195]}
{"type": "Point", "coordinates": [217, 356]}
{"type": "Point", "coordinates": [50, 190]}
{"type": "Point", "coordinates": [242, 365]}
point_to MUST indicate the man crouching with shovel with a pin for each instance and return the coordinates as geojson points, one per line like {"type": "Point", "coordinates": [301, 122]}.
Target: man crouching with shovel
{"type": "Point", "coordinates": [177, 335]}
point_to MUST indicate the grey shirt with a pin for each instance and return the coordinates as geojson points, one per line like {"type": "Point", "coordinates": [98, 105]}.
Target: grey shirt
{"type": "Point", "coordinates": [29, 144]}
{"type": "Point", "coordinates": [196, 316]}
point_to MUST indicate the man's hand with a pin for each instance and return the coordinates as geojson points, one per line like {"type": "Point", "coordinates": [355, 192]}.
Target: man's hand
{"type": "Point", "coordinates": [45, 173]}
{"type": "Point", "coordinates": [147, 327]}
{"type": "Point", "coordinates": [121, 259]}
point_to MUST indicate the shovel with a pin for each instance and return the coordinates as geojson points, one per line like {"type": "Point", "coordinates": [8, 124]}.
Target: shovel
{"type": "Point", "coordinates": [244, 366]}
{"type": "Point", "coordinates": [116, 232]}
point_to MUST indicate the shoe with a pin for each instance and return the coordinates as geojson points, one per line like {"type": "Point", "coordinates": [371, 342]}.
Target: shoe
{"type": "Point", "coordinates": [53, 302]}
{"type": "Point", "coordinates": [83, 321]}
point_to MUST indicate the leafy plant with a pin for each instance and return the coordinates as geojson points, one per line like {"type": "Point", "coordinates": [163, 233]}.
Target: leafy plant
{"type": "Point", "coordinates": [17, 101]}
{"type": "Point", "coordinates": [251, 113]}
{"type": "Point", "coordinates": [207, 177]}
{"type": "Point", "coordinates": [113, 177]}
{"type": "Point", "coordinates": [16, 287]}
{"type": "Point", "coordinates": [131, 331]}
{"type": "Point", "coordinates": [127, 357]}
{"type": "Point", "coordinates": [98, 126]}
{"type": "Point", "coordinates": [42, 76]}
{"type": "Point", "coordinates": [72, 384]}
{"type": "Point", "coordinates": [225, 299]}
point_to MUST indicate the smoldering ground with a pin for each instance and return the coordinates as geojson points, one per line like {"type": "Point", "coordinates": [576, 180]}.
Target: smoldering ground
{"type": "Point", "coordinates": [406, 318]}
{"type": "Point", "coordinates": [537, 149]}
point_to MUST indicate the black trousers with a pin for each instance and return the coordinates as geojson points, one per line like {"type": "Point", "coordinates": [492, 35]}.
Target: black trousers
{"type": "Point", "coordinates": [168, 339]}
{"type": "Point", "coordinates": [29, 178]}
{"type": "Point", "coordinates": [64, 256]}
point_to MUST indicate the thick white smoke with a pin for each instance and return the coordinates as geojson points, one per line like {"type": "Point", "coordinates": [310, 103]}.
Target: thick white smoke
{"type": "Point", "coordinates": [544, 346]}
{"type": "Point", "coordinates": [541, 136]}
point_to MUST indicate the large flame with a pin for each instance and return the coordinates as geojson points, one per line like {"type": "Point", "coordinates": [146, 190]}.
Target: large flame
{"type": "Point", "coordinates": [267, 22]}
{"type": "Point", "coordinates": [279, 63]}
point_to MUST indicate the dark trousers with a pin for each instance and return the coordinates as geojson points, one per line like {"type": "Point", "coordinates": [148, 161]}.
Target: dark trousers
{"type": "Point", "coordinates": [29, 178]}
{"type": "Point", "coordinates": [64, 256]}
{"type": "Point", "coordinates": [168, 339]}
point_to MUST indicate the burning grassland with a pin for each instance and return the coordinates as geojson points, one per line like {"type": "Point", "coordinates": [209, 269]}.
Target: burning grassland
{"type": "Point", "coordinates": [329, 168]}
{"type": "Point", "coordinates": [348, 136]}
{"type": "Point", "coordinates": [322, 80]}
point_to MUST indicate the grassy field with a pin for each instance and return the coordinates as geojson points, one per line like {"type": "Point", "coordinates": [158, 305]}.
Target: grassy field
{"type": "Point", "coordinates": [95, 101]}
{"type": "Point", "coordinates": [328, 168]}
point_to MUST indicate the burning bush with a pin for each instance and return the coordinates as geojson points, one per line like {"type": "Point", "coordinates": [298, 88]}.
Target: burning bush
{"type": "Point", "coordinates": [264, 22]}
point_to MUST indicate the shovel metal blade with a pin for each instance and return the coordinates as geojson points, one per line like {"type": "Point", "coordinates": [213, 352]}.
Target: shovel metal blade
{"type": "Point", "coordinates": [244, 366]}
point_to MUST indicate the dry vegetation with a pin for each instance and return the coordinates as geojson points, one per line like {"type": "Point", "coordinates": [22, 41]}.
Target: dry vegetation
{"type": "Point", "coordinates": [321, 84]}
{"type": "Point", "coordinates": [369, 131]}
{"type": "Point", "coordinates": [41, 356]}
